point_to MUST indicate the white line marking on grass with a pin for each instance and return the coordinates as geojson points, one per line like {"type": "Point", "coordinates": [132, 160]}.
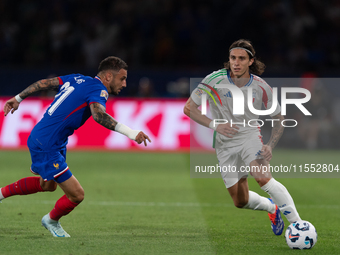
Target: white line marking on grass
{"type": "Point", "coordinates": [158, 204]}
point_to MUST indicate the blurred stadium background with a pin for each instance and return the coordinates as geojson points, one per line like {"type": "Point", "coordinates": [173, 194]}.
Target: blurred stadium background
{"type": "Point", "coordinates": [165, 43]}
{"type": "Point", "coordinates": [153, 206]}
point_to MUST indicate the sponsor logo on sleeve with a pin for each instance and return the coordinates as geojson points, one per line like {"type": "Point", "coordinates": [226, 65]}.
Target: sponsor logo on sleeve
{"type": "Point", "coordinates": [199, 92]}
{"type": "Point", "coordinates": [104, 94]}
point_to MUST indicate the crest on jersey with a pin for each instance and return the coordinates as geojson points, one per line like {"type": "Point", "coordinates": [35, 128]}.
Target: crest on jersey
{"type": "Point", "coordinates": [56, 165]}
{"type": "Point", "coordinates": [104, 94]}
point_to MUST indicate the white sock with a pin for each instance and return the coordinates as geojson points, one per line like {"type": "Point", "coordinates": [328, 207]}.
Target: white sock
{"type": "Point", "coordinates": [257, 202]}
{"type": "Point", "coordinates": [282, 199]}
{"type": "Point", "coordinates": [1, 196]}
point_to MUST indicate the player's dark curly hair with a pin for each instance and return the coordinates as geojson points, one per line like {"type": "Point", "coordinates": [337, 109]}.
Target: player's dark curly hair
{"type": "Point", "coordinates": [257, 67]}
{"type": "Point", "coordinates": [112, 63]}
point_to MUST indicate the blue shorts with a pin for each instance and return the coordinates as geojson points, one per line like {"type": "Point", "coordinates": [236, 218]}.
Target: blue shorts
{"type": "Point", "coordinates": [50, 165]}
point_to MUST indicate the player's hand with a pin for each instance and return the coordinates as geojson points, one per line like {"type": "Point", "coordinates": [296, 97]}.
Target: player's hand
{"type": "Point", "coordinates": [266, 152]}
{"type": "Point", "coordinates": [227, 129]}
{"type": "Point", "coordinates": [11, 106]}
{"type": "Point", "coordinates": [141, 137]}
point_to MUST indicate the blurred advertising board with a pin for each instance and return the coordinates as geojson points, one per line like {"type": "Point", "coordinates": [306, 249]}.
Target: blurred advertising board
{"type": "Point", "coordinates": [161, 119]}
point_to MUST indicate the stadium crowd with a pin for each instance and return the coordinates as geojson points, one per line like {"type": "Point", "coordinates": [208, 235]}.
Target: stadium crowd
{"type": "Point", "coordinates": [289, 35]}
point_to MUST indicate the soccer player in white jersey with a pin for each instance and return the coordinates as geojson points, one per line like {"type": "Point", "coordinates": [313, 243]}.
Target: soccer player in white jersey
{"type": "Point", "coordinates": [241, 144]}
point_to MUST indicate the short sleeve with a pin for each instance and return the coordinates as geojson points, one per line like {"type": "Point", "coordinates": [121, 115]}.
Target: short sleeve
{"type": "Point", "coordinates": [197, 93]}
{"type": "Point", "coordinates": [96, 93]}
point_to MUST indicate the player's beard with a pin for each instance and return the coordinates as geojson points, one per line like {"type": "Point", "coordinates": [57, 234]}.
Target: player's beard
{"type": "Point", "coordinates": [115, 91]}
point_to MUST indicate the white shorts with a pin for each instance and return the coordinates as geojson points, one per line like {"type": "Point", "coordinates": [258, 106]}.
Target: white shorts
{"type": "Point", "coordinates": [234, 159]}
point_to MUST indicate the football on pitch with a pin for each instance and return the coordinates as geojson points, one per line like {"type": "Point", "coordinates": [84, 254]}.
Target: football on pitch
{"type": "Point", "coordinates": [301, 235]}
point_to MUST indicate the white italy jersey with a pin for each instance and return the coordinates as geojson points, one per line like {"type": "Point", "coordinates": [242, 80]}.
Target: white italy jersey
{"type": "Point", "coordinates": [262, 94]}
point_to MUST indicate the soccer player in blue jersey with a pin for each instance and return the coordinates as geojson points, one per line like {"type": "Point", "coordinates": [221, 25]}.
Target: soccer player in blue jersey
{"type": "Point", "coordinates": [78, 98]}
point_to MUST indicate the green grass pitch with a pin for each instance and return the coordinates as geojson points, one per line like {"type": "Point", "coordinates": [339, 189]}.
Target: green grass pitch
{"type": "Point", "coordinates": [146, 203]}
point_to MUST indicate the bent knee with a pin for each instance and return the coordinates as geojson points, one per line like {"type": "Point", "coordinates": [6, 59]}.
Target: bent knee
{"type": "Point", "coordinates": [49, 187]}
{"type": "Point", "coordinates": [262, 181]}
{"type": "Point", "coordinates": [78, 197]}
{"type": "Point", "coordinates": [240, 204]}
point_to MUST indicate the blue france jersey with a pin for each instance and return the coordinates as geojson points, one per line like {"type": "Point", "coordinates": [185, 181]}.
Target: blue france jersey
{"type": "Point", "coordinates": [69, 110]}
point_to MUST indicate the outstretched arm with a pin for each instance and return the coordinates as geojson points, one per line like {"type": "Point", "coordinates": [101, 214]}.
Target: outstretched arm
{"type": "Point", "coordinates": [99, 114]}
{"type": "Point", "coordinates": [45, 84]}
{"type": "Point", "coordinates": [277, 132]}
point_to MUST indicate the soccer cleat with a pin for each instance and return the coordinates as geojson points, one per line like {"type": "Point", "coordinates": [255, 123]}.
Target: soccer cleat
{"type": "Point", "coordinates": [276, 220]}
{"type": "Point", "coordinates": [53, 226]}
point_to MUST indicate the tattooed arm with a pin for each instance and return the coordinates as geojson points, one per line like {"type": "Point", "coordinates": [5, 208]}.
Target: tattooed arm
{"type": "Point", "coordinates": [99, 114]}
{"type": "Point", "coordinates": [46, 84]}
{"type": "Point", "coordinates": [277, 132]}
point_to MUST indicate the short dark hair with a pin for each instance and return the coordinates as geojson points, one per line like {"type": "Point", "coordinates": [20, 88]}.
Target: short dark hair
{"type": "Point", "coordinates": [257, 67]}
{"type": "Point", "coordinates": [112, 63]}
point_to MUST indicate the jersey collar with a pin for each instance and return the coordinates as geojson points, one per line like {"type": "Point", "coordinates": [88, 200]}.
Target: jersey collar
{"type": "Point", "coordinates": [97, 77]}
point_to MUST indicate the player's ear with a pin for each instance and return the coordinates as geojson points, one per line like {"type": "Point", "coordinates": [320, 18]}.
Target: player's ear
{"type": "Point", "coordinates": [108, 76]}
{"type": "Point", "coordinates": [251, 61]}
